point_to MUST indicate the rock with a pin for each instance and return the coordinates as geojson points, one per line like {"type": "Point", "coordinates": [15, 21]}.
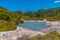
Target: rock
{"type": "Point", "coordinates": [52, 25]}
{"type": "Point", "coordinates": [19, 32]}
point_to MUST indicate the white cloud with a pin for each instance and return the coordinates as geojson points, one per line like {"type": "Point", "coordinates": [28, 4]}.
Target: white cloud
{"type": "Point", "coordinates": [58, 1]}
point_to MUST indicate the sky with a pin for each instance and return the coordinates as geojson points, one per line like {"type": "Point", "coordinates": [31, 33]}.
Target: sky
{"type": "Point", "coordinates": [29, 5]}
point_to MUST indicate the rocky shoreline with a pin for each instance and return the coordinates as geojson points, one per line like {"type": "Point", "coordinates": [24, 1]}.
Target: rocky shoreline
{"type": "Point", "coordinates": [52, 25]}
{"type": "Point", "coordinates": [19, 32]}
{"type": "Point", "coordinates": [33, 21]}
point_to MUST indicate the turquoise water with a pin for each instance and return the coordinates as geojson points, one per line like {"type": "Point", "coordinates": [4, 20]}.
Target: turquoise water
{"type": "Point", "coordinates": [36, 26]}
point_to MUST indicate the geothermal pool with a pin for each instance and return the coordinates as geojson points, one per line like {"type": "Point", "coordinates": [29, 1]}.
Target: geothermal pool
{"type": "Point", "coordinates": [36, 26]}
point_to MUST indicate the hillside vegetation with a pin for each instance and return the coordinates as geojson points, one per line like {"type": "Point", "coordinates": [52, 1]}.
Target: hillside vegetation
{"type": "Point", "coordinates": [51, 14]}
{"type": "Point", "coordinates": [8, 20]}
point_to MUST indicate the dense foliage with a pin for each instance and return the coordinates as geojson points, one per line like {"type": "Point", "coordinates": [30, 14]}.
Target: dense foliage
{"type": "Point", "coordinates": [49, 14]}
{"type": "Point", "coordinates": [8, 20]}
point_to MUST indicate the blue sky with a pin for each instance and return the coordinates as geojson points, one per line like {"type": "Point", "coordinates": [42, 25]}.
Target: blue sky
{"type": "Point", "coordinates": [31, 5]}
